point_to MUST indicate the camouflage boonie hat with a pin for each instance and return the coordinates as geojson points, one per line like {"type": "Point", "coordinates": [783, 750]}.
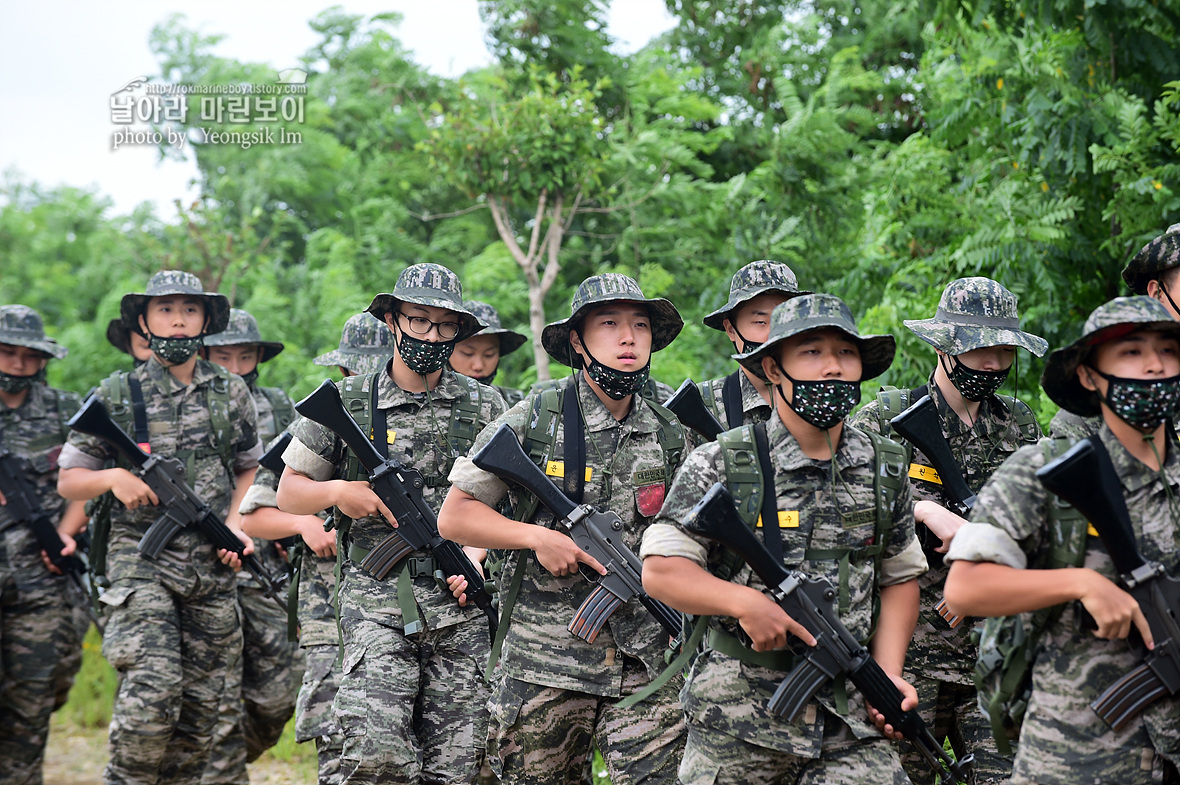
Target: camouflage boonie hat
{"type": "Point", "coordinates": [20, 325]}
{"type": "Point", "coordinates": [1162, 253]}
{"type": "Point", "coordinates": [607, 288]}
{"type": "Point", "coordinates": [431, 285]}
{"type": "Point", "coordinates": [1115, 319]}
{"type": "Point", "coordinates": [816, 311]}
{"type": "Point", "coordinates": [366, 344]}
{"type": "Point", "coordinates": [168, 282]}
{"type": "Point", "coordinates": [974, 313]}
{"type": "Point", "coordinates": [752, 280]}
{"type": "Point", "coordinates": [243, 331]}
{"type": "Point", "coordinates": [510, 340]}
{"type": "Point", "coordinates": [119, 335]}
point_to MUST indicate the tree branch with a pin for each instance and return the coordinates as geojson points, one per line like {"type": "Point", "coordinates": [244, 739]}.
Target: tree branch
{"type": "Point", "coordinates": [505, 231]}
{"type": "Point", "coordinates": [538, 219]}
{"type": "Point", "coordinates": [424, 217]}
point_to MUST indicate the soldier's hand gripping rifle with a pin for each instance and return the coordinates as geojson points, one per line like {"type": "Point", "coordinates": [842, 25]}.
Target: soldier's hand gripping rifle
{"type": "Point", "coordinates": [598, 533]}
{"type": "Point", "coordinates": [689, 407]}
{"type": "Point", "coordinates": [1085, 477]}
{"type": "Point", "coordinates": [919, 426]}
{"type": "Point", "coordinates": [400, 488]}
{"type": "Point", "coordinates": [812, 603]}
{"type": "Point", "coordinates": [181, 505]}
{"type": "Point", "coordinates": [24, 507]}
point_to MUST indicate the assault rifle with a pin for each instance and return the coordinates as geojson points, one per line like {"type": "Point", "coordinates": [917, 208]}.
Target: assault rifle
{"type": "Point", "coordinates": [598, 533]}
{"type": "Point", "coordinates": [23, 506]}
{"type": "Point", "coordinates": [1085, 477]}
{"type": "Point", "coordinates": [812, 603]}
{"type": "Point", "coordinates": [400, 488]}
{"type": "Point", "coordinates": [919, 426]}
{"type": "Point", "coordinates": [181, 505]}
{"type": "Point", "coordinates": [689, 407]}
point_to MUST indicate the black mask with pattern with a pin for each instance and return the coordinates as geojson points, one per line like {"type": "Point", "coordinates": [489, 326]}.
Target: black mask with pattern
{"type": "Point", "coordinates": [424, 357]}
{"type": "Point", "coordinates": [174, 351]}
{"type": "Point", "coordinates": [821, 403]}
{"type": "Point", "coordinates": [250, 378]}
{"type": "Point", "coordinates": [11, 383]}
{"type": "Point", "coordinates": [1141, 403]}
{"type": "Point", "coordinates": [616, 384]}
{"type": "Point", "coordinates": [975, 385]}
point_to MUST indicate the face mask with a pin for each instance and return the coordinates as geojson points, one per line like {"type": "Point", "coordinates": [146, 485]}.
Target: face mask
{"type": "Point", "coordinates": [975, 385]}
{"type": "Point", "coordinates": [486, 379]}
{"type": "Point", "coordinates": [174, 351]}
{"type": "Point", "coordinates": [822, 403]}
{"type": "Point", "coordinates": [616, 384]}
{"type": "Point", "coordinates": [14, 384]}
{"type": "Point", "coordinates": [423, 357]}
{"type": "Point", "coordinates": [250, 378]}
{"type": "Point", "coordinates": [1141, 403]}
{"type": "Point", "coordinates": [747, 345]}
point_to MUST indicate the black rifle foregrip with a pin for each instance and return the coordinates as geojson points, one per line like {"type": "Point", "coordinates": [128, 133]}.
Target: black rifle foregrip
{"type": "Point", "coordinates": [273, 458]}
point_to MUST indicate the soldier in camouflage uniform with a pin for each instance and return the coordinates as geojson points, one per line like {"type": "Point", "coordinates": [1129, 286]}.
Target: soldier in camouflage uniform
{"type": "Point", "coordinates": [1152, 272]}
{"type": "Point", "coordinates": [555, 694]}
{"type": "Point", "coordinates": [40, 640]}
{"type": "Point", "coordinates": [173, 632]}
{"type": "Point", "coordinates": [271, 665]}
{"type": "Point", "coordinates": [754, 291]}
{"type": "Point", "coordinates": [479, 356]}
{"type": "Point", "coordinates": [830, 525]}
{"type": "Point", "coordinates": [975, 333]}
{"type": "Point", "coordinates": [366, 345]}
{"type": "Point", "coordinates": [128, 341]}
{"type": "Point", "coordinates": [412, 698]}
{"type": "Point", "coordinates": [1125, 368]}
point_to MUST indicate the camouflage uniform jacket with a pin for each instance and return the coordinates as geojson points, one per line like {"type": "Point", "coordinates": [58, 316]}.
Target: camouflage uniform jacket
{"type": "Point", "coordinates": [727, 695]}
{"type": "Point", "coordinates": [417, 438]}
{"type": "Point", "coordinates": [1010, 526]}
{"type": "Point", "coordinates": [178, 422]}
{"type": "Point", "coordinates": [628, 477]}
{"type": "Point", "coordinates": [754, 406]}
{"type": "Point", "coordinates": [268, 429]}
{"type": "Point", "coordinates": [938, 651]}
{"type": "Point", "coordinates": [317, 576]}
{"type": "Point", "coordinates": [33, 432]}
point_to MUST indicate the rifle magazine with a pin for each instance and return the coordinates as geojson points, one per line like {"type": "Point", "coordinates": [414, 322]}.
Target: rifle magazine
{"type": "Point", "coordinates": [798, 688]}
{"type": "Point", "coordinates": [592, 615]}
{"type": "Point", "coordinates": [158, 535]}
{"type": "Point", "coordinates": [1128, 696]}
{"type": "Point", "coordinates": [386, 555]}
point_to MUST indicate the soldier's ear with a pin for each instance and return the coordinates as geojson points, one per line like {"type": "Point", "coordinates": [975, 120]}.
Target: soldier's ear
{"type": "Point", "coordinates": [143, 328]}
{"type": "Point", "coordinates": [770, 367]}
{"type": "Point", "coordinates": [730, 330]}
{"type": "Point", "coordinates": [1086, 379]}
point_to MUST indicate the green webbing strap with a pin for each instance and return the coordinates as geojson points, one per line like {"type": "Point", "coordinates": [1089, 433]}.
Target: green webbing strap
{"type": "Point", "coordinates": [722, 641]}
{"type": "Point", "coordinates": [463, 427]}
{"type": "Point", "coordinates": [844, 558]}
{"type": "Point", "coordinates": [411, 622]}
{"type": "Point", "coordinates": [506, 613]}
{"type": "Point", "coordinates": [295, 556]}
{"type": "Point", "coordinates": [1026, 421]}
{"type": "Point", "coordinates": [688, 650]}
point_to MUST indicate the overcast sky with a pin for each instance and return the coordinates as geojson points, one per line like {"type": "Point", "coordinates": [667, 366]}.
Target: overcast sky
{"type": "Point", "coordinates": [62, 60]}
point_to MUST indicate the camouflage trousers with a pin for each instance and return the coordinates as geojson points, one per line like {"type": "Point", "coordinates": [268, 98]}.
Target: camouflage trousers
{"type": "Point", "coordinates": [713, 758]}
{"type": "Point", "coordinates": [413, 709]}
{"type": "Point", "coordinates": [40, 653]}
{"type": "Point", "coordinates": [261, 693]}
{"type": "Point", "coordinates": [951, 711]}
{"type": "Point", "coordinates": [314, 718]}
{"type": "Point", "coordinates": [174, 655]}
{"type": "Point", "coordinates": [540, 735]}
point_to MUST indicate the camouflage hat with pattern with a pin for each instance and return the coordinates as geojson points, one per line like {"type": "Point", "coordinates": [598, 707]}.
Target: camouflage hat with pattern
{"type": "Point", "coordinates": [432, 285]}
{"type": "Point", "coordinates": [20, 325]}
{"type": "Point", "coordinates": [752, 280]}
{"type": "Point", "coordinates": [814, 312]}
{"type": "Point", "coordinates": [1162, 253]}
{"type": "Point", "coordinates": [1110, 321]}
{"type": "Point", "coordinates": [366, 344]}
{"type": "Point", "coordinates": [608, 288]}
{"type": "Point", "coordinates": [243, 331]}
{"type": "Point", "coordinates": [169, 282]}
{"type": "Point", "coordinates": [510, 340]}
{"type": "Point", "coordinates": [974, 313]}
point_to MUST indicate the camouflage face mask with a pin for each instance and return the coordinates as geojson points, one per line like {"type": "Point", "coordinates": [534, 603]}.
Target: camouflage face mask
{"type": "Point", "coordinates": [975, 385]}
{"type": "Point", "coordinates": [822, 403]}
{"type": "Point", "coordinates": [174, 351]}
{"type": "Point", "coordinates": [14, 384]}
{"type": "Point", "coordinates": [1141, 403]}
{"type": "Point", "coordinates": [250, 378]}
{"type": "Point", "coordinates": [747, 345]}
{"type": "Point", "coordinates": [423, 357]}
{"type": "Point", "coordinates": [616, 384]}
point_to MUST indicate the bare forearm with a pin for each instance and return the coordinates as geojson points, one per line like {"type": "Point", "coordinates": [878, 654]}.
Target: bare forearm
{"type": "Point", "coordinates": [988, 589]}
{"type": "Point", "coordinates": [895, 625]}
{"type": "Point", "coordinates": [686, 586]}
{"type": "Point", "coordinates": [242, 482]}
{"type": "Point", "coordinates": [299, 494]}
{"type": "Point", "coordinates": [468, 521]}
{"type": "Point", "coordinates": [78, 484]}
{"type": "Point", "coordinates": [73, 520]}
{"type": "Point", "coordinates": [271, 523]}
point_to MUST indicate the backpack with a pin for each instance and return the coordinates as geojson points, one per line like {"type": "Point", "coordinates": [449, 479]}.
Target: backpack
{"type": "Point", "coordinates": [280, 406]}
{"type": "Point", "coordinates": [1008, 645]}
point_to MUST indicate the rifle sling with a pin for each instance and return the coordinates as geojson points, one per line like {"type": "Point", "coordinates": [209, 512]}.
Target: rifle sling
{"type": "Point", "coordinates": [574, 483]}
{"type": "Point", "coordinates": [138, 413]}
{"type": "Point", "coordinates": [731, 396]}
{"type": "Point", "coordinates": [774, 542]}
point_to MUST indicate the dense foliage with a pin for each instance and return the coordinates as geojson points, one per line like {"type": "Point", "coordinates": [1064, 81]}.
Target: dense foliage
{"type": "Point", "coordinates": [880, 148]}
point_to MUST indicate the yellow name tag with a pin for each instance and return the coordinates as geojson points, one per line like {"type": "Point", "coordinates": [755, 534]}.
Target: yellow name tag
{"type": "Point", "coordinates": [390, 435]}
{"type": "Point", "coordinates": [557, 469]}
{"type": "Point", "coordinates": [787, 519]}
{"type": "Point", "coordinates": [1090, 530]}
{"type": "Point", "coordinates": [927, 473]}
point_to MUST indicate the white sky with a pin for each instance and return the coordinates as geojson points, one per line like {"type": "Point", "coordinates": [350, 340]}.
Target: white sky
{"type": "Point", "coordinates": [60, 62]}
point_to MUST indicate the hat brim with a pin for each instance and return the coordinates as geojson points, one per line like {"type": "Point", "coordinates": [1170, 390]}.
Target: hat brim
{"type": "Point", "coordinates": [385, 303]}
{"type": "Point", "coordinates": [717, 318]}
{"type": "Point", "coordinates": [1060, 377]}
{"type": "Point", "coordinates": [48, 347]}
{"type": "Point", "coordinates": [876, 351]}
{"type": "Point", "coordinates": [956, 339]}
{"type": "Point", "coordinates": [357, 362]}
{"type": "Point", "coordinates": [666, 324]}
{"type": "Point", "coordinates": [216, 309]}
{"type": "Point", "coordinates": [510, 340]}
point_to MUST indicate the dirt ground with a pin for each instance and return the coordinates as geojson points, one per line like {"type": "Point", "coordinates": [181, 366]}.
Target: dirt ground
{"type": "Point", "coordinates": [76, 756]}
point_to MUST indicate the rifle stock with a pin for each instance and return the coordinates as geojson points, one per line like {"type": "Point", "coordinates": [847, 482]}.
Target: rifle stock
{"type": "Point", "coordinates": [273, 458]}
{"type": "Point", "coordinates": [689, 407]}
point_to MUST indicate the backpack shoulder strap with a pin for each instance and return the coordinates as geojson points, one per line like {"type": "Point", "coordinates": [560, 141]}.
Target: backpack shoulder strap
{"type": "Point", "coordinates": [280, 404]}
{"type": "Point", "coordinates": [540, 439]}
{"type": "Point", "coordinates": [1068, 526]}
{"type": "Point", "coordinates": [891, 401]}
{"type": "Point", "coordinates": [1026, 421]}
{"type": "Point", "coordinates": [356, 395]}
{"type": "Point", "coordinates": [464, 424]}
{"type": "Point", "coordinates": [223, 432]}
{"type": "Point", "coordinates": [890, 462]}
{"type": "Point", "coordinates": [743, 480]}
{"type": "Point", "coordinates": [671, 438]}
